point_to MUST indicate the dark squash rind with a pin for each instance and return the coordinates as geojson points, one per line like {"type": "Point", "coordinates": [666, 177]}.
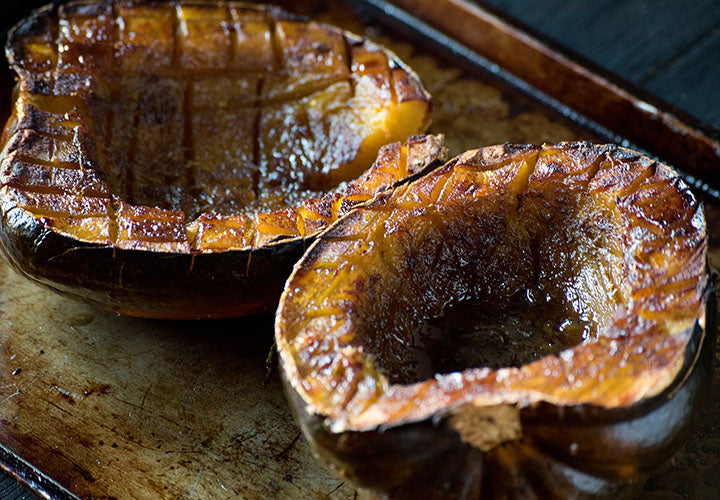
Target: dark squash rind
{"type": "Point", "coordinates": [88, 241]}
{"type": "Point", "coordinates": [616, 450]}
{"type": "Point", "coordinates": [564, 450]}
{"type": "Point", "coordinates": [179, 286]}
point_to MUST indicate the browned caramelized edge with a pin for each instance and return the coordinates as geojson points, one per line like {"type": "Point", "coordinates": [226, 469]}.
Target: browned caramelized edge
{"type": "Point", "coordinates": [116, 222]}
{"type": "Point", "coordinates": [635, 358]}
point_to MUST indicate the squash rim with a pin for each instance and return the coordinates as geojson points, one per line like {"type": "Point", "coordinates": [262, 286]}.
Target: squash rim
{"type": "Point", "coordinates": [696, 334]}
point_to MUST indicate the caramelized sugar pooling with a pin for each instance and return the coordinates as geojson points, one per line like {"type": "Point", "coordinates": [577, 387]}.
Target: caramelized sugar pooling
{"type": "Point", "coordinates": [221, 109]}
{"type": "Point", "coordinates": [501, 278]}
{"type": "Point", "coordinates": [471, 335]}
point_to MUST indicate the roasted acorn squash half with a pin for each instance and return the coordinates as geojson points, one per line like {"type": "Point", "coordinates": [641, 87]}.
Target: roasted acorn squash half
{"type": "Point", "coordinates": [168, 159]}
{"type": "Point", "coordinates": [587, 262]}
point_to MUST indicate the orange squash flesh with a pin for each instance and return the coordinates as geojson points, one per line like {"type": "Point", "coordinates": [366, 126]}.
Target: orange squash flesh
{"type": "Point", "coordinates": [612, 234]}
{"type": "Point", "coordinates": [192, 129]}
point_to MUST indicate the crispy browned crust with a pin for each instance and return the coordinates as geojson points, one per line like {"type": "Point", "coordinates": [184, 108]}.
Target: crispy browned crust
{"type": "Point", "coordinates": [66, 200]}
{"type": "Point", "coordinates": [591, 421]}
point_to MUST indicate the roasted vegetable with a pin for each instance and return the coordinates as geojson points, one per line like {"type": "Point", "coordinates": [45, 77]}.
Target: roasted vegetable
{"type": "Point", "coordinates": [595, 253]}
{"type": "Point", "coordinates": [170, 159]}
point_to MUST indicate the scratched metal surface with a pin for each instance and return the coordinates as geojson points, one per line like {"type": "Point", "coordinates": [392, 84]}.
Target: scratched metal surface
{"type": "Point", "coordinates": [112, 406]}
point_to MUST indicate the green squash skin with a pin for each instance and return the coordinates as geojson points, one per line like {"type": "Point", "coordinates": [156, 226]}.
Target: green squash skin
{"type": "Point", "coordinates": [154, 284]}
{"type": "Point", "coordinates": [565, 452]}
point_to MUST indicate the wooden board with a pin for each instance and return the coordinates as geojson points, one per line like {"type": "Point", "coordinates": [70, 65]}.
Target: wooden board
{"type": "Point", "coordinates": [97, 405]}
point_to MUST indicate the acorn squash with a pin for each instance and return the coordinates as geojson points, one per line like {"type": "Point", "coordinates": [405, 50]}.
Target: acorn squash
{"type": "Point", "coordinates": [169, 159]}
{"type": "Point", "coordinates": [587, 263]}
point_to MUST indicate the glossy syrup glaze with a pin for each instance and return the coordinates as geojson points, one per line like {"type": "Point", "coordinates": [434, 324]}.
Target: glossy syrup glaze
{"type": "Point", "coordinates": [578, 221]}
{"type": "Point", "coordinates": [223, 111]}
{"type": "Point", "coordinates": [487, 334]}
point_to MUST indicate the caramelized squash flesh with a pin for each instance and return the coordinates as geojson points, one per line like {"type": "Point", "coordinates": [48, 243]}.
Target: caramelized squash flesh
{"type": "Point", "coordinates": [192, 128]}
{"type": "Point", "coordinates": [221, 109]}
{"type": "Point", "coordinates": [520, 309]}
{"type": "Point", "coordinates": [509, 267]}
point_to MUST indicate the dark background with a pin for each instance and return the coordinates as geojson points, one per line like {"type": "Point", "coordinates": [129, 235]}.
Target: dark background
{"type": "Point", "coordinates": [669, 48]}
{"type": "Point", "coordinates": [666, 47]}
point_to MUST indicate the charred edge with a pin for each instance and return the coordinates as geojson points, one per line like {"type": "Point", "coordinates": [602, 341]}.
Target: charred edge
{"type": "Point", "coordinates": [256, 139]}
{"type": "Point", "coordinates": [436, 163]}
{"type": "Point", "coordinates": [9, 131]}
{"type": "Point", "coordinates": [37, 22]}
{"type": "Point", "coordinates": [696, 207]}
{"type": "Point", "coordinates": [617, 156]}
{"type": "Point", "coordinates": [54, 190]}
{"type": "Point", "coordinates": [593, 171]}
